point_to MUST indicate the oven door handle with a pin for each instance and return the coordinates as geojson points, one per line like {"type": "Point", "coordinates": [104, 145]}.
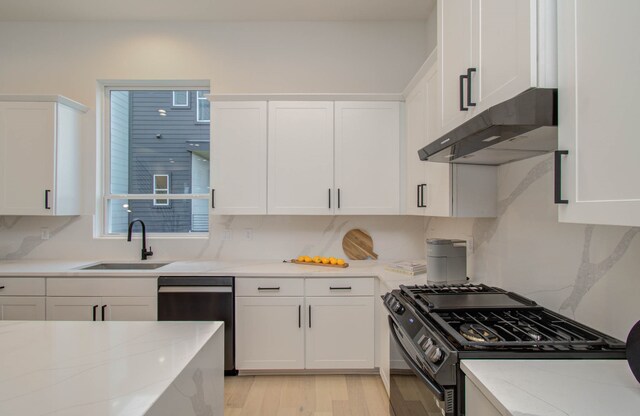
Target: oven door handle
{"type": "Point", "coordinates": [432, 385]}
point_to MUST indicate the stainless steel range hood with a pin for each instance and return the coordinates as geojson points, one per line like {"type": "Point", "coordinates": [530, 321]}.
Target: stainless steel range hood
{"type": "Point", "coordinates": [519, 128]}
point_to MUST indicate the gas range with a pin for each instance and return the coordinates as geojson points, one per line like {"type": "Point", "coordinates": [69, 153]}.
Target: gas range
{"type": "Point", "coordinates": [436, 326]}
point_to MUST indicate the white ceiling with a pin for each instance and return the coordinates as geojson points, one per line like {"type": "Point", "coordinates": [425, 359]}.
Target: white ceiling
{"type": "Point", "coordinates": [214, 10]}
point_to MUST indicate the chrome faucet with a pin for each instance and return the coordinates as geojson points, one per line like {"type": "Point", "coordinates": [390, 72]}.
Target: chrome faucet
{"type": "Point", "coordinates": [145, 253]}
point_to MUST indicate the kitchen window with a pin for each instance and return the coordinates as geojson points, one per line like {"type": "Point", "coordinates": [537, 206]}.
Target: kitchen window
{"type": "Point", "coordinates": [152, 149]}
{"type": "Point", "coordinates": [180, 99]}
{"type": "Point", "coordinates": [202, 110]}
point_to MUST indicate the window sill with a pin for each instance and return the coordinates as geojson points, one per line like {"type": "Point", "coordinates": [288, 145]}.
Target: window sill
{"type": "Point", "coordinates": [155, 236]}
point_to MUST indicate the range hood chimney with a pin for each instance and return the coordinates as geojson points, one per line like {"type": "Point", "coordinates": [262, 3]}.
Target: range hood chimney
{"type": "Point", "coordinates": [521, 127]}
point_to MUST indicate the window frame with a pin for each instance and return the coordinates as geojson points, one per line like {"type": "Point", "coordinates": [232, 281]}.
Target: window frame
{"type": "Point", "coordinates": [173, 99]}
{"type": "Point", "coordinates": [201, 95]}
{"type": "Point", "coordinates": [156, 189]}
{"type": "Point", "coordinates": [103, 194]}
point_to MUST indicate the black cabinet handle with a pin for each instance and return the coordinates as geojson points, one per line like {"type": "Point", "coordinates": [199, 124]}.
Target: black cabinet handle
{"type": "Point", "coordinates": [338, 197]}
{"type": "Point", "coordinates": [269, 288]}
{"type": "Point", "coordinates": [340, 288]}
{"type": "Point", "coordinates": [103, 308]}
{"type": "Point", "coordinates": [329, 197]}
{"type": "Point", "coordinates": [46, 199]}
{"type": "Point", "coordinates": [213, 198]}
{"type": "Point", "coordinates": [299, 316]}
{"type": "Point", "coordinates": [424, 187]}
{"type": "Point", "coordinates": [1, 287]}
{"type": "Point", "coordinates": [462, 107]}
{"type": "Point", "coordinates": [309, 316]}
{"type": "Point", "coordinates": [557, 177]}
{"type": "Point", "coordinates": [95, 311]}
{"type": "Point", "coordinates": [469, 72]}
{"type": "Point", "coordinates": [418, 187]}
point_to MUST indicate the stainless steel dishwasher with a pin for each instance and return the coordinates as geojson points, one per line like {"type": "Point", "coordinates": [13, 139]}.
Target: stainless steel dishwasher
{"type": "Point", "coordinates": [201, 298]}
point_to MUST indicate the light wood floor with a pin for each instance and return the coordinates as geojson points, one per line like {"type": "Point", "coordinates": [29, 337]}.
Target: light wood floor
{"type": "Point", "coordinates": [317, 395]}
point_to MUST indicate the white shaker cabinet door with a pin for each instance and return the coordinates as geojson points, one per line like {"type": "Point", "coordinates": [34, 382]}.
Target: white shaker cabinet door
{"type": "Point", "coordinates": [76, 308]}
{"type": "Point", "coordinates": [22, 308]}
{"type": "Point", "coordinates": [129, 308]}
{"type": "Point", "coordinates": [300, 163]}
{"type": "Point", "coordinates": [239, 158]}
{"type": "Point", "coordinates": [27, 154]}
{"type": "Point", "coordinates": [598, 111]}
{"type": "Point", "coordinates": [455, 31]}
{"type": "Point", "coordinates": [367, 158]}
{"type": "Point", "coordinates": [416, 113]}
{"type": "Point", "coordinates": [269, 333]}
{"type": "Point", "coordinates": [340, 332]}
{"type": "Point", "coordinates": [504, 50]}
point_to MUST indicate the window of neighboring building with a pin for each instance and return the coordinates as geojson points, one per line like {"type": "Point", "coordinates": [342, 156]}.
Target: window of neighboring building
{"type": "Point", "coordinates": [180, 99]}
{"type": "Point", "coordinates": [161, 187]}
{"type": "Point", "coordinates": [154, 149]}
{"type": "Point", "coordinates": [202, 111]}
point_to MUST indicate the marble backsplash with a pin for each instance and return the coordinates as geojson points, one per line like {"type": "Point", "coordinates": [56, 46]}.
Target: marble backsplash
{"type": "Point", "coordinates": [589, 272]}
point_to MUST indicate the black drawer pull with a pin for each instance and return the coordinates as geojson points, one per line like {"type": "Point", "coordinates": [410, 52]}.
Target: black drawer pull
{"type": "Point", "coordinates": [46, 199]}
{"type": "Point", "coordinates": [269, 288]}
{"type": "Point", "coordinates": [213, 198]}
{"type": "Point", "coordinates": [329, 197]}
{"type": "Point", "coordinates": [557, 176]}
{"type": "Point", "coordinates": [469, 72]}
{"type": "Point", "coordinates": [95, 311]}
{"type": "Point", "coordinates": [309, 316]}
{"type": "Point", "coordinates": [340, 288]}
{"type": "Point", "coordinates": [103, 308]}
{"type": "Point", "coordinates": [338, 197]}
{"type": "Point", "coordinates": [299, 316]}
{"type": "Point", "coordinates": [1, 287]}
{"type": "Point", "coordinates": [462, 107]}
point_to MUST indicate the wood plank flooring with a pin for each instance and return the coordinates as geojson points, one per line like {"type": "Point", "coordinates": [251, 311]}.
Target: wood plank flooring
{"type": "Point", "coordinates": [310, 395]}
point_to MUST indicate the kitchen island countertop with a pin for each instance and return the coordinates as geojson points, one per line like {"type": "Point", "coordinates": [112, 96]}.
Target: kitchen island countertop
{"type": "Point", "coordinates": [556, 387]}
{"type": "Point", "coordinates": [110, 368]}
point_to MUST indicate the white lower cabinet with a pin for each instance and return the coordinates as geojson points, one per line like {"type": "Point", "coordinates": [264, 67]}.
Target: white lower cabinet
{"type": "Point", "coordinates": [22, 308]}
{"type": "Point", "coordinates": [269, 333]}
{"type": "Point", "coordinates": [476, 403]}
{"type": "Point", "coordinates": [92, 308]}
{"type": "Point", "coordinates": [340, 332]}
{"type": "Point", "coordinates": [303, 330]}
{"type": "Point", "coordinates": [102, 299]}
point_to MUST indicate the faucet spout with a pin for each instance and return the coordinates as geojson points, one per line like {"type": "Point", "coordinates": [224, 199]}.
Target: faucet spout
{"type": "Point", "coordinates": [145, 253]}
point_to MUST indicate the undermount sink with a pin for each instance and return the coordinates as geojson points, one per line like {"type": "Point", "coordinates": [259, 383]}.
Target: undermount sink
{"type": "Point", "coordinates": [124, 266]}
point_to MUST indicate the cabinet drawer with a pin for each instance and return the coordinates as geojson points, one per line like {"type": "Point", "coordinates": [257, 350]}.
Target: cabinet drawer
{"type": "Point", "coordinates": [269, 286]}
{"type": "Point", "coordinates": [22, 286]}
{"type": "Point", "coordinates": [102, 286]}
{"type": "Point", "coordinates": [358, 286]}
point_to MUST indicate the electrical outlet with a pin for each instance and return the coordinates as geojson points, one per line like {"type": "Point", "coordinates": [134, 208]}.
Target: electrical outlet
{"type": "Point", "coordinates": [248, 233]}
{"type": "Point", "coordinates": [227, 235]}
{"type": "Point", "coordinates": [45, 234]}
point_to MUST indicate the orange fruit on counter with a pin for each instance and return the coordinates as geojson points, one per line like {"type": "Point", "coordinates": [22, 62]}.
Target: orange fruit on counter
{"type": "Point", "coordinates": [317, 259]}
{"type": "Point", "coordinates": [333, 260]}
{"type": "Point", "coordinates": [325, 260]}
{"type": "Point", "coordinates": [340, 262]}
{"type": "Point", "coordinates": [307, 259]}
{"type": "Point", "coordinates": [301, 258]}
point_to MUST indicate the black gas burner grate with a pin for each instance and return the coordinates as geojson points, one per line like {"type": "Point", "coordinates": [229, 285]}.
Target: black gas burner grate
{"type": "Point", "coordinates": [531, 329]}
{"type": "Point", "coordinates": [447, 288]}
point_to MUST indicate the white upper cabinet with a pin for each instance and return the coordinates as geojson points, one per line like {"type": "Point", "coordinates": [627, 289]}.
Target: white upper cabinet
{"type": "Point", "coordinates": [490, 51]}
{"type": "Point", "coordinates": [239, 158]}
{"type": "Point", "coordinates": [367, 158]}
{"type": "Point", "coordinates": [441, 189]}
{"type": "Point", "coordinates": [300, 162]}
{"type": "Point", "coordinates": [40, 156]}
{"type": "Point", "coordinates": [598, 89]}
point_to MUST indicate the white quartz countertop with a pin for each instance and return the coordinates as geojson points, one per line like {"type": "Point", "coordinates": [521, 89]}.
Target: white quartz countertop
{"type": "Point", "coordinates": [238, 268]}
{"type": "Point", "coordinates": [557, 387]}
{"type": "Point", "coordinates": [93, 368]}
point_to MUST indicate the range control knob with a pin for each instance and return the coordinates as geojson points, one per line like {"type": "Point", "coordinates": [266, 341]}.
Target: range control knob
{"type": "Point", "coordinates": [435, 355]}
{"type": "Point", "coordinates": [398, 308]}
{"type": "Point", "coordinates": [427, 344]}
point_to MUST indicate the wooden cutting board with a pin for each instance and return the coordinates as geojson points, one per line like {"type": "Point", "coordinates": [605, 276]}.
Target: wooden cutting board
{"type": "Point", "coordinates": [358, 245]}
